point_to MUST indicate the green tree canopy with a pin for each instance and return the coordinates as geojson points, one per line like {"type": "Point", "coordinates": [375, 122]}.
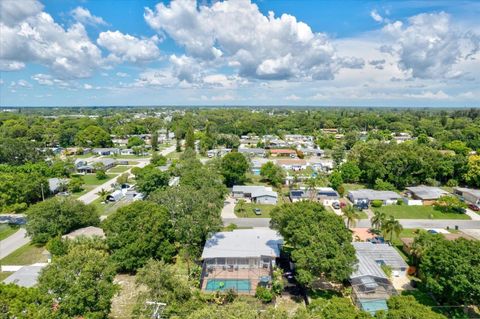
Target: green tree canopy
{"type": "Point", "coordinates": [58, 216]}
{"type": "Point", "coordinates": [81, 282]}
{"type": "Point", "coordinates": [273, 173]}
{"type": "Point", "coordinates": [321, 242]}
{"type": "Point", "coordinates": [233, 167]}
{"type": "Point", "coordinates": [138, 232]}
{"type": "Point", "coordinates": [135, 141]}
{"type": "Point", "coordinates": [93, 136]}
{"type": "Point", "coordinates": [150, 178]}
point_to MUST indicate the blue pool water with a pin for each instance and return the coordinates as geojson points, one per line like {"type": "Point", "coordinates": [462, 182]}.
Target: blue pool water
{"type": "Point", "coordinates": [240, 285]}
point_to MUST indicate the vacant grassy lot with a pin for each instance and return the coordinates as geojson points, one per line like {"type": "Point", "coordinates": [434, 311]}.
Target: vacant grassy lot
{"type": "Point", "coordinates": [353, 187]}
{"type": "Point", "coordinates": [4, 274]}
{"type": "Point", "coordinates": [7, 230]}
{"type": "Point", "coordinates": [25, 255]}
{"type": "Point", "coordinates": [119, 169]}
{"type": "Point", "coordinates": [418, 212]}
{"type": "Point", "coordinates": [249, 207]}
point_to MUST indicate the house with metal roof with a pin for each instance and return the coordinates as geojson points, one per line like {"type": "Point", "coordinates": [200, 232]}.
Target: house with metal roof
{"type": "Point", "coordinates": [252, 152]}
{"type": "Point", "coordinates": [321, 194]}
{"type": "Point", "coordinates": [427, 194]}
{"type": "Point", "coordinates": [369, 195]}
{"type": "Point", "coordinates": [469, 194]}
{"type": "Point", "coordinates": [240, 259]}
{"type": "Point", "coordinates": [257, 194]}
{"type": "Point", "coordinates": [371, 287]}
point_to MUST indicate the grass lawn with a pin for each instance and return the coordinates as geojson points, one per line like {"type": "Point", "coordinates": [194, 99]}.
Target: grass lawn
{"type": "Point", "coordinates": [249, 207]}
{"type": "Point", "coordinates": [25, 255]}
{"type": "Point", "coordinates": [108, 208]}
{"type": "Point", "coordinates": [362, 214]}
{"type": "Point", "coordinates": [7, 230]}
{"type": "Point", "coordinates": [4, 275]}
{"type": "Point", "coordinates": [119, 169]}
{"type": "Point", "coordinates": [173, 155]}
{"type": "Point", "coordinates": [91, 179]}
{"type": "Point", "coordinates": [418, 212]}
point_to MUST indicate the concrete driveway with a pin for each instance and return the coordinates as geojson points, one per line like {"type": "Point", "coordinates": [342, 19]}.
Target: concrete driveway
{"type": "Point", "coordinates": [13, 242]}
{"type": "Point", "coordinates": [228, 210]}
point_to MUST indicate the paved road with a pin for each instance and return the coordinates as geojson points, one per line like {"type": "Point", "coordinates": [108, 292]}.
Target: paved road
{"type": "Point", "coordinates": [406, 223]}
{"type": "Point", "coordinates": [13, 242]}
{"type": "Point", "coordinates": [142, 162]}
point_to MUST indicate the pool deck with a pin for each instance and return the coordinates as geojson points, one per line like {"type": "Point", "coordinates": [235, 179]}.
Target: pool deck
{"type": "Point", "coordinates": [253, 275]}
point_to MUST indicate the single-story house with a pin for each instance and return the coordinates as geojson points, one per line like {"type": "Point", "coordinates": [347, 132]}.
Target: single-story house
{"type": "Point", "coordinates": [470, 195]}
{"type": "Point", "coordinates": [133, 195]}
{"type": "Point", "coordinates": [257, 194]}
{"type": "Point", "coordinates": [122, 142]}
{"type": "Point", "coordinates": [83, 166]}
{"type": "Point", "coordinates": [88, 232]}
{"type": "Point", "coordinates": [322, 165]}
{"type": "Point", "coordinates": [127, 151]}
{"type": "Point", "coordinates": [427, 194]}
{"type": "Point", "coordinates": [370, 285]}
{"type": "Point", "coordinates": [56, 185]}
{"type": "Point", "coordinates": [312, 151]}
{"type": "Point", "coordinates": [106, 151]}
{"type": "Point", "coordinates": [325, 195]}
{"type": "Point", "coordinates": [240, 259]}
{"type": "Point", "coordinates": [26, 276]}
{"type": "Point", "coordinates": [256, 166]}
{"type": "Point", "coordinates": [252, 152]}
{"type": "Point", "coordinates": [283, 152]}
{"type": "Point", "coordinates": [292, 164]}
{"type": "Point", "coordinates": [369, 195]}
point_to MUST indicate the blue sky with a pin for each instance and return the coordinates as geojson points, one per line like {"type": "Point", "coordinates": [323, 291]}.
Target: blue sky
{"type": "Point", "coordinates": [239, 52]}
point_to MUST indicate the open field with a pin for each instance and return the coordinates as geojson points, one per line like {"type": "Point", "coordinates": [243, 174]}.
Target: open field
{"type": "Point", "coordinates": [25, 255]}
{"type": "Point", "coordinates": [7, 230]}
{"type": "Point", "coordinates": [418, 212]}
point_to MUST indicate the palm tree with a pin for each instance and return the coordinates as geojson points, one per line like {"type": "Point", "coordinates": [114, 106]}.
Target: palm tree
{"type": "Point", "coordinates": [378, 219]}
{"type": "Point", "coordinates": [312, 187]}
{"type": "Point", "coordinates": [391, 226]}
{"type": "Point", "coordinates": [102, 193]}
{"type": "Point", "coordinates": [351, 215]}
{"type": "Point", "coordinates": [241, 207]}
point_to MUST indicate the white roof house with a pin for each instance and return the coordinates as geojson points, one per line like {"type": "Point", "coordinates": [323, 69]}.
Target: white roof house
{"type": "Point", "coordinates": [379, 254]}
{"type": "Point", "coordinates": [426, 192]}
{"type": "Point", "coordinates": [371, 194]}
{"type": "Point", "coordinates": [89, 232]}
{"type": "Point", "coordinates": [243, 243]}
{"type": "Point", "coordinates": [253, 191]}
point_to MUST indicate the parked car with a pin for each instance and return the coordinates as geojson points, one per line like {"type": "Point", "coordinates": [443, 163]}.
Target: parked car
{"type": "Point", "coordinates": [336, 205]}
{"type": "Point", "coordinates": [474, 207]}
{"type": "Point", "coordinates": [257, 211]}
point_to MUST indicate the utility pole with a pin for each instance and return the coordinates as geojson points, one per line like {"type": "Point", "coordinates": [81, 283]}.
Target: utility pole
{"type": "Point", "coordinates": [43, 196]}
{"type": "Point", "coordinates": [158, 308]}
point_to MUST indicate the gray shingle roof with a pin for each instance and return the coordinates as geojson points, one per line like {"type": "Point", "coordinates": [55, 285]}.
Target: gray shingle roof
{"type": "Point", "coordinates": [26, 276]}
{"type": "Point", "coordinates": [372, 194]}
{"type": "Point", "coordinates": [379, 252]}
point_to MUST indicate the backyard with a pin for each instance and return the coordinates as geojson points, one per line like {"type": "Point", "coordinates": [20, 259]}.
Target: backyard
{"type": "Point", "coordinates": [418, 212]}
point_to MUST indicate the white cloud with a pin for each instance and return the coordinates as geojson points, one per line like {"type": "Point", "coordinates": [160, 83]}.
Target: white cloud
{"type": "Point", "coordinates": [9, 65]}
{"type": "Point", "coordinates": [13, 12]}
{"type": "Point", "coordinates": [224, 97]}
{"type": "Point", "coordinates": [293, 97]}
{"type": "Point", "coordinates": [428, 45]}
{"type": "Point", "coordinates": [375, 16]}
{"type": "Point", "coordinates": [67, 52]}
{"type": "Point", "coordinates": [121, 74]}
{"type": "Point", "coordinates": [125, 47]}
{"type": "Point", "coordinates": [84, 16]}
{"type": "Point", "coordinates": [48, 80]}
{"type": "Point", "coordinates": [87, 86]}
{"type": "Point", "coordinates": [237, 34]}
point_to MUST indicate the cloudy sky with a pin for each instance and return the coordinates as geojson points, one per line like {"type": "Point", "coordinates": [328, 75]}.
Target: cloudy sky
{"type": "Point", "coordinates": [239, 52]}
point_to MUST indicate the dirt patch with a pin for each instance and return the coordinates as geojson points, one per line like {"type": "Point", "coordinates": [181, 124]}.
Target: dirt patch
{"type": "Point", "coordinates": [124, 301]}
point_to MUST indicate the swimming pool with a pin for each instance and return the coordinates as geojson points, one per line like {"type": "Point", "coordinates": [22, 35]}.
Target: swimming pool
{"type": "Point", "coordinates": [239, 285]}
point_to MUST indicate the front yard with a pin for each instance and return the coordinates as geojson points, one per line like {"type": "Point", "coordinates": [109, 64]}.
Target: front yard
{"type": "Point", "coordinates": [25, 255]}
{"type": "Point", "coordinates": [7, 230]}
{"type": "Point", "coordinates": [249, 210]}
{"type": "Point", "coordinates": [418, 212]}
